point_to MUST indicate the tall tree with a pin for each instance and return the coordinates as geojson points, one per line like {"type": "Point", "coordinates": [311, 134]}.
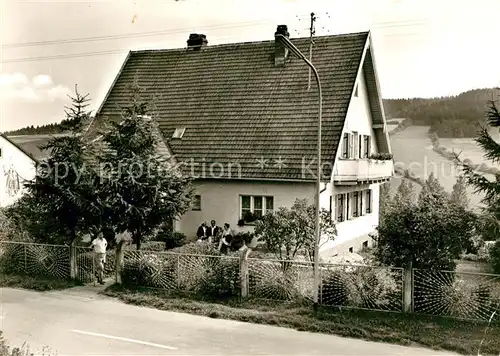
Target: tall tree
{"type": "Point", "coordinates": [430, 233]}
{"type": "Point", "coordinates": [385, 199]}
{"type": "Point", "coordinates": [459, 193]}
{"type": "Point", "coordinates": [432, 193]}
{"type": "Point", "coordinates": [405, 194]}
{"type": "Point", "coordinates": [490, 217]}
{"type": "Point", "coordinates": [140, 189]}
{"type": "Point", "coordinates": [60, 202]}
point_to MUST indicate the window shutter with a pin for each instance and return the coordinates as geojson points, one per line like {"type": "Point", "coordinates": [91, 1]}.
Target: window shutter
{"type": "Point", "coordinates": [348, 213]}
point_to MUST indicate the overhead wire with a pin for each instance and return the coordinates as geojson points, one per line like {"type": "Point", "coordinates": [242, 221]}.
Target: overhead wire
{"type": "Point", "coordinates": [143, 34]}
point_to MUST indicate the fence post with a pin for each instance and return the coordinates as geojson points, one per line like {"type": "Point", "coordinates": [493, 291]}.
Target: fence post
{"type": "Point", "coordinates": [72, 261]}
{"type": "Point", "coordinates": [407, 288]}
{"type": "Point", "coordinates": [25, 259]}
{"type": "Point", "coordinates": [178, 271]}
{"type": "Point", "coordinates": [244, 272]}
{"type": "Point", "coordinates": [119, 255]}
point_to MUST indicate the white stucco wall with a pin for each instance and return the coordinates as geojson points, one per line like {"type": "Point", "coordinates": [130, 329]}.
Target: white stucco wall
{"type": "Point", "coordinates": [359, 116]}
{"type": "Point", "coordinates": [220, 200]}
{"type": "Point", "coordinates": [15, 167]}
{"type": "Point", "coordinates": [352, 233]}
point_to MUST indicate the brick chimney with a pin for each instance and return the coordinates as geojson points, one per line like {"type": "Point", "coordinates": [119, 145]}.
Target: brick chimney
{"type": "Point", "coordinates": [280, 51]}
{"type": "Point", "coordinates": [196, 41]}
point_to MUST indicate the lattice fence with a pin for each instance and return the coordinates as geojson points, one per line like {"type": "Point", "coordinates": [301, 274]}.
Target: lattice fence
{"type": "Point", "coordinates": [472, 296]}
{"type": "Point", "coordinates": [362, 287]}
{"type": "Point", "coordinates": [202, 274]}
{"type": "Point", "coordinates": [35, 259]}
{"type": "Point", "coordinates": [280, 280]}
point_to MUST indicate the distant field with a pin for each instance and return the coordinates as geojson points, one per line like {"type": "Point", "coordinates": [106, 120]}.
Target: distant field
{"type": "Point", "coordinates": [412, 149]}
{"type": "Point", "coordinates": [468, 148]}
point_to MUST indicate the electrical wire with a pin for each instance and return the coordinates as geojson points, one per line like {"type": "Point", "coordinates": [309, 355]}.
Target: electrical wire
{"type": "Point", "coordinates": [123, 51]}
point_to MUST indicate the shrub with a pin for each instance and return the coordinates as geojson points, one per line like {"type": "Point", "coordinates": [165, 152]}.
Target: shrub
{"type": "Point", "coordinates": [176, 239]}
{"type": "Point", "coordinates": [494, 254]}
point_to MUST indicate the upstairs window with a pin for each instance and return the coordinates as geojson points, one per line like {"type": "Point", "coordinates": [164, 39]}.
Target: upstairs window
{"type": "Point", "coordinates": [345, 146]}
{"type": "Point", "coordinates": [367, 146]}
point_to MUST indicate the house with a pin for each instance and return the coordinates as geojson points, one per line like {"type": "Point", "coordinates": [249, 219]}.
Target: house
{"type": "Point", "coordinates": [240, 119]}
{"type": "Point", "coordinates": [16, 165]}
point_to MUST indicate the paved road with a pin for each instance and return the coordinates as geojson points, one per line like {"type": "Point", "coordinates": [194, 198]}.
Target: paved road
{"type": "Point", "coordinates": [79, 323]}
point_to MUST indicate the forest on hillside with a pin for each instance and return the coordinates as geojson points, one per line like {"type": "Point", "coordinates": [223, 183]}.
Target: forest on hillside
{"type": "Point", "coordinates": [451, 117]}
{"type": "Point", "coordinates": [48, 129]}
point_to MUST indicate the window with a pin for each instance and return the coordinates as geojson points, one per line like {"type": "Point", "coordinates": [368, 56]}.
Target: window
{"type": "Point", "coordinates": [367, 144]}
{"type": "Point", "coordinates": [355, 204]}
{"type": "Point", "coordinates": [365, 245]}
{"type": "Point", "coordinates": [355, 139]}
{"type": "Point", "coordinates": [331, 205]}
{"type": "Point", "coordinates": [258, 206]}
{"type": "Point", "coordinates": [255, 207]}
{"type": "Point", "coordinates": [179, 132]}
{"type": "Point", "coordinates": [345, 146]}
{"type": "Point", "coordinates": [197, 202]}
{"type": "Point", "coordinates": [340, 207]}
{"type": "Point", "coordinates": [351, 146]}
{"type": "Point", "coordinates": [356, 91]}
{"type": "Point", "coordinates": [368, 201]}
{"type": "Point", "coordinates": [351, 250]}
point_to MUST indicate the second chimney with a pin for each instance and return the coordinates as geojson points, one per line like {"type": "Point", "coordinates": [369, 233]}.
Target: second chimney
{"type": "Point", "coordinates": [196, 41]}
{"type": "Point", "coordinates": [280, 51]}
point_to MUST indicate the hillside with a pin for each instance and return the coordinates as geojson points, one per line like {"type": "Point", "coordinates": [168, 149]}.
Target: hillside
{"type": "Point", "coordinates": [412, 150]}
{"type": "Point", "coordinates": [48, 129]}
{"type": "Point", "coordinates": [450, 117]}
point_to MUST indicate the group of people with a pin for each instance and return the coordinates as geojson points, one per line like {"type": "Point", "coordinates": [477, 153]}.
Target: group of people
{"type": "Point", "coordinates": [214, 234]}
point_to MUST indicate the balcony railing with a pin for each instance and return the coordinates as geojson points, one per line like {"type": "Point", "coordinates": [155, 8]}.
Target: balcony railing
{"type": "Point", "coordinates": [362, 170]}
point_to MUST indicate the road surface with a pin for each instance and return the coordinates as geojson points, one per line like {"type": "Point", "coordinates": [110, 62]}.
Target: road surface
{"type": "Point", "coordinates": [79, 323]}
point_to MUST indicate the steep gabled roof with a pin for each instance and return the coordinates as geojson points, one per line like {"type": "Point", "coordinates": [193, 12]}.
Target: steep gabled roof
{"type": "Point", "coordinates": [238, 108]}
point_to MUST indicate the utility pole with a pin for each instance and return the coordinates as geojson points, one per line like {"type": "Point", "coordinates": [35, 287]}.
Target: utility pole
{"type": "Point", "coordinates": [311, 34]}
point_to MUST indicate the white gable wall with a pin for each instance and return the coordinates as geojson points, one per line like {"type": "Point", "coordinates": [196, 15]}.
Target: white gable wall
{"type": "Point", "coordinates": [352, 233]}
{"type": "Point", "coordinates": [15, 167]}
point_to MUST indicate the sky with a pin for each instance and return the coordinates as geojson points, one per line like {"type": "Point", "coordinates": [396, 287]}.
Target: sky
{"type": "Point", "coordinates": [423, 48]}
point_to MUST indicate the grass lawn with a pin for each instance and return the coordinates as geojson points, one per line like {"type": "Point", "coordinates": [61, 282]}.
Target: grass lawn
{"type": "Point", "coordinates": [411, 330]}
{"type": "Point", "coordinates": [38, 284]}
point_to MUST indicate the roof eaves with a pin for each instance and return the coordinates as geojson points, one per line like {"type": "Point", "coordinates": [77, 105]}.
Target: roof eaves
{"type": "Point", "coordinates": [375, 74]}
{"type": "Point", "coordinates": [20, 148]}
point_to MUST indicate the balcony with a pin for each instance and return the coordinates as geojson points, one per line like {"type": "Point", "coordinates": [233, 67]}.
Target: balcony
{"type": "Point", "coordinates": [349, 171]}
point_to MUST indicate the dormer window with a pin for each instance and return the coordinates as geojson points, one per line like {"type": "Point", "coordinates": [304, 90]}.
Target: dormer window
{"type": "Point", "coordinates": [179, 132]}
